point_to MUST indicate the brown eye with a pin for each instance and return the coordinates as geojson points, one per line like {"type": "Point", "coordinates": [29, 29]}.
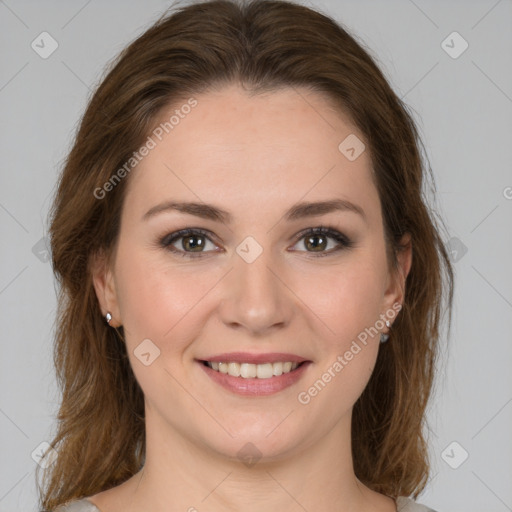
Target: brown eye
{"type": "Point", "coordinates": [317, 240]}
{"type": "Point", "coordinates": [193, 243]}
{"type": "Point", "coordinates": [188, 242]}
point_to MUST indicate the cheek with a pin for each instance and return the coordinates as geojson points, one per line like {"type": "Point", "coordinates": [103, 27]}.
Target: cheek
{"type": "Point", "coordinates": [157, 300]}
{"type": "Point", "coordinates": [347, 298]}
{"type": "Point", "coordinates": [160, 305]}
{"type": "Point", "coordinates": [348, 301]}
{"type": "Point", "coordinates": [349, 351]}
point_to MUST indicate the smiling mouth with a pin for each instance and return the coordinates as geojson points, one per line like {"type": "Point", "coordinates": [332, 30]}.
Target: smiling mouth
{"type": "Point", "coordinates": [252, 371]}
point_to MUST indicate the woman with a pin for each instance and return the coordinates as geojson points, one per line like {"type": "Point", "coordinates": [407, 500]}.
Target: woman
{"type": "Point", "coordinates": [251, 281]}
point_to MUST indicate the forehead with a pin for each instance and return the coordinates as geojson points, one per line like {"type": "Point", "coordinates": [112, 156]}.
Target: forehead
{"type": "Point", "coordinates": [253, 151]}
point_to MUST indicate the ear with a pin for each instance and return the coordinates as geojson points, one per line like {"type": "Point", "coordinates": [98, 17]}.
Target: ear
{"type": "Point", "coordinates": [104, 285]}
{"type": "Point", "coordinates": [395, 292]}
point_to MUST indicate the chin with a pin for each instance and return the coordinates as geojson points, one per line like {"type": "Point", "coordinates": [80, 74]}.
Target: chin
{"type": "Point", "coordinates": [264, 441]}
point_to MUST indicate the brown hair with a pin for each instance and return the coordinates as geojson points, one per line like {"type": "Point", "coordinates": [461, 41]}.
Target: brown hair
{"type": "Point", "coordinates": [262, 45]}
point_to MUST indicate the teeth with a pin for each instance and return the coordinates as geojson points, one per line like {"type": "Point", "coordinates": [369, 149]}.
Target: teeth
{"type": "Point", "coordinates": [234, 369]}
{"type": "Point", "coordinates": [246, 370]}
{"type": "Point", "coordinates": [251, 371]}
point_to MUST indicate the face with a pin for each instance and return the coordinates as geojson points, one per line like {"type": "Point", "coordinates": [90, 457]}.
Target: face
{"type": "Point", "coordinates": [252, 277]}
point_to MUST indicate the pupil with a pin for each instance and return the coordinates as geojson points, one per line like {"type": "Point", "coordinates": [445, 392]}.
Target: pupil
{"type": "Point", "coordinates": [193, 246]}
{"type": "Point", "coordinates": [317, 245]}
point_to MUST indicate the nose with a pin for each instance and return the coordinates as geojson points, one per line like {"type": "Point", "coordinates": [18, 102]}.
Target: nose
{"type": "Point", "coordinates": [256, 298]}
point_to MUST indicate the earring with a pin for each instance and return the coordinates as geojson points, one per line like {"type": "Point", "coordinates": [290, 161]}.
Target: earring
{"type": "Point", "coordinates": [108, 317]}
{"type": "Point", "coordinates": [385, 337]}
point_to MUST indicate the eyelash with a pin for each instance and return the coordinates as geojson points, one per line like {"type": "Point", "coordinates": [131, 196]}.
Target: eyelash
{"type": "Point", "coordinates": [345, 243]}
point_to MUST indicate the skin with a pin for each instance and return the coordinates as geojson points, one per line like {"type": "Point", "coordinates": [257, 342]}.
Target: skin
{"type": "Point", "coordinates": [254, 157]}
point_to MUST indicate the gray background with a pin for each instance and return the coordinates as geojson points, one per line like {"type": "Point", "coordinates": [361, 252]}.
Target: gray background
{"type": "Point", "coordinates": [463, 107]}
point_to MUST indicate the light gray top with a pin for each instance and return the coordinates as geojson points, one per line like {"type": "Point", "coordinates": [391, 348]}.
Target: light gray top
{"type": "Point", "coordinates": [84, 505]}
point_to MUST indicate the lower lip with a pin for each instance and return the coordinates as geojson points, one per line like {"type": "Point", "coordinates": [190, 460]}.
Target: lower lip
{"type": "Point", "coordinates": [256, 387]}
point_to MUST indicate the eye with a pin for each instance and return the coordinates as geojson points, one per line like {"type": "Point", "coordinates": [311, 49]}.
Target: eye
{"type": "Point", "coordinates": [317, 239]}
{"type": "Point", "coordinates": [192, 244]}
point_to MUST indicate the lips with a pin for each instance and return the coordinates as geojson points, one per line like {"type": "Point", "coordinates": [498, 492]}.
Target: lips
{"type": "Point", "coordinates": [235, 371]}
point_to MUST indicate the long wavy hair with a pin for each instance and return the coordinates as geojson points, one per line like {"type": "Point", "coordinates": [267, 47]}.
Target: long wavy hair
{"type": "Point", "coordinates": [262, 45]}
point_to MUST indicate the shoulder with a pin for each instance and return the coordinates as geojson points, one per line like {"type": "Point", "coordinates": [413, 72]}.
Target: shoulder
{"type": "Point", "coordinates": [404, 504]}
{"type": "Point", "coordinates": [82, 505]}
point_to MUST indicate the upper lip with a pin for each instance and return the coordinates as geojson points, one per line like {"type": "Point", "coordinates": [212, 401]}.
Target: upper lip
{"type": "Point", "coordinates": [245, 357]}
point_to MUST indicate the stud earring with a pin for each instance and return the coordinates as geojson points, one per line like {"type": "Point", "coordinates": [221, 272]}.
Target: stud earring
{"type": "Point", "coordinates": [108, 317]}
{"type": "Point", "coordinates": [385, 337]}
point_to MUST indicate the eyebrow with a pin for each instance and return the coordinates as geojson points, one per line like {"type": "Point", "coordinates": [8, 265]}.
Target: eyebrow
{"type": "Point", "coordinates": [297, 211]}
